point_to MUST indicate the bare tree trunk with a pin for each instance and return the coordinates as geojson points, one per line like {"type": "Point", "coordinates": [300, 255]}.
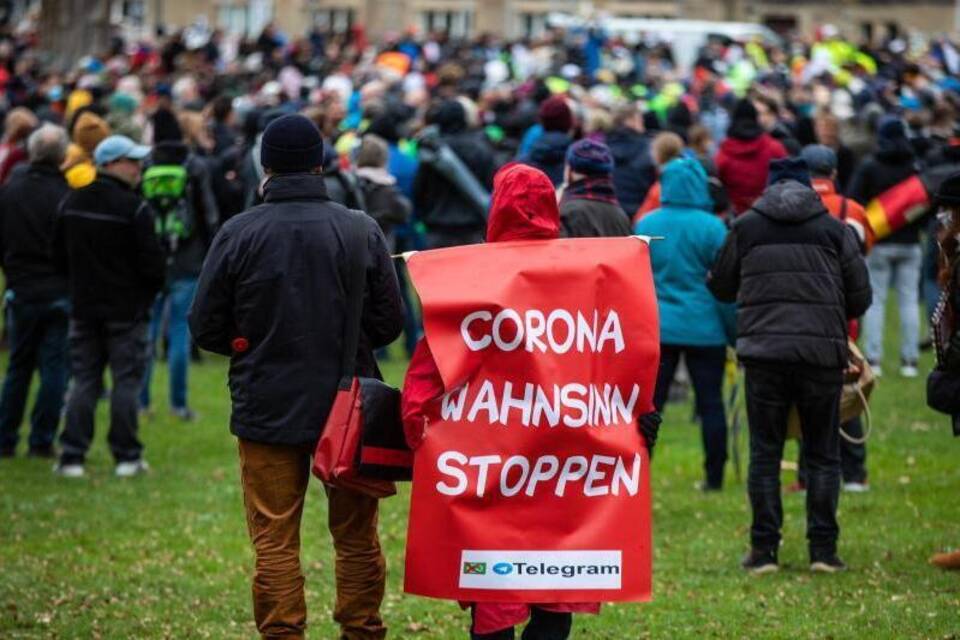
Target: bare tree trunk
{"type": "Point", "coordinates": [71, 29]}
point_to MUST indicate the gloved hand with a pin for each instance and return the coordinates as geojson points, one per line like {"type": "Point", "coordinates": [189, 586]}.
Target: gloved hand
{"type": "Point", "coordinates": [649, 425]}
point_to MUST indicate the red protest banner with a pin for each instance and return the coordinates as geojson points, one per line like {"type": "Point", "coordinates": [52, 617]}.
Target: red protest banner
{"type": "Point", "coordinates": [532, 484]}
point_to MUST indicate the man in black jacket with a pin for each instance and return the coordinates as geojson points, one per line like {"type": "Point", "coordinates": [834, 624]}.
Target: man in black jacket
{"type": "Point", "coordinates": [37, 304]}
{"type": "Point", "coordinates": [450, 217]}
{"type": "Point", "coordinates": [273, 295]}
{"type": "Point", "coordinates": [106, 244]}
{"type": "Point", "coordinates": [634, 171]}
{"type": "Point", "coordinates": [797, 276]}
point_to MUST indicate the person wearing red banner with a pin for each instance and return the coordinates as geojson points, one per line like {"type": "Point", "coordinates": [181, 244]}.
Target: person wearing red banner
{"type": "Point", "coordinates": [524, 207]}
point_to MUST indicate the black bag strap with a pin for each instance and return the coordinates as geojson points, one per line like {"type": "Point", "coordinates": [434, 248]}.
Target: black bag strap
{"type": "Point", "coordinates": [843, 208]}
{"type": "Point", "coordinates": [352, 189]}
{"type": "Point", "coordinates": [355, 245]}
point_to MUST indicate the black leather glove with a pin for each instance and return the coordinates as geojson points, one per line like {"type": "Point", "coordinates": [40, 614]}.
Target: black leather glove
{"type": "Point", "coordinates": [649, 425]}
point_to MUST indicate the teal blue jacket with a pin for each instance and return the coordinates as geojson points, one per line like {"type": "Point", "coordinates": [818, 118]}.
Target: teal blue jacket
{"type": "Point", "coordinates": [692, 237]}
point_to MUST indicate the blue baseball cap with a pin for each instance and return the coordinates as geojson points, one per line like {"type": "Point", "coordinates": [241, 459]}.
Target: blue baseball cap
{"type": "Point", "coordinates": [820, 159]}
{"type": "Point", "coordinates": [116, 147]}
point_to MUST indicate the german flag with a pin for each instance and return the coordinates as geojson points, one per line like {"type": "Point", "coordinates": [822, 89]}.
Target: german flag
{"type": "Point", "coordinates": [898, 206]}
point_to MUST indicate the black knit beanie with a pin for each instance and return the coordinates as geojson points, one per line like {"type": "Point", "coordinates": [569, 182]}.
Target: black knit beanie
{"type": "Point", "coordinates": [745, 111]}
{"type": "Point", "coordinates": [291, 144]}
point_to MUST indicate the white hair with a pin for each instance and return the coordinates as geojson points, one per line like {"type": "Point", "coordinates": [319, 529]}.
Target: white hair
{"type": "Point", "coordinates": [48, 144]}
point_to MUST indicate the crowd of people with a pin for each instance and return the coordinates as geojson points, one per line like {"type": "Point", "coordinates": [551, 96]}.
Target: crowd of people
{"type": "Point", "coordinates": [123, 181]}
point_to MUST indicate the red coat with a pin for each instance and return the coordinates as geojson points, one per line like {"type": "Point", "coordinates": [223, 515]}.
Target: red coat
{"type": "Point", "coordinates": [524, 207]}
{"type": "Point", "coordinates": [742, 167]}
{"type": "Point", "coordinates": [10, 156]}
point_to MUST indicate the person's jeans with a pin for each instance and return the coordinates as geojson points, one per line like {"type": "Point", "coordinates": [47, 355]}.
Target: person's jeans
{"type": "Point", "coordinates": [274, 480]}
{"type": "Point", "coordinates": [38, 340]}
{"type": "Point", "coordinates": [705, 365]}
{"type": "Point", "coordinates": [543, 625]}
{"type": "Point", "coordinates": [93, 346]}
{"type": "Point", "coordinates": [897, 264]}
{"type": "Point", "coordinates": [176, 303]}
{"type": "Point", "coordinates": [771, 392]}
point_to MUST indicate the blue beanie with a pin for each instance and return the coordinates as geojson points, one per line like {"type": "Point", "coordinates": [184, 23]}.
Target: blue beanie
{"type": "Point", "coordinates": [290, 144]}
{"type": "Point", "coordinates": [789, 169]}
{"type": "Point", "coordinates": [590, 158]}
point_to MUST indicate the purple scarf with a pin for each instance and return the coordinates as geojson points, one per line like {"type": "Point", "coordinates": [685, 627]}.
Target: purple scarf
{"type": "Point", "coordinates": [599, 188]}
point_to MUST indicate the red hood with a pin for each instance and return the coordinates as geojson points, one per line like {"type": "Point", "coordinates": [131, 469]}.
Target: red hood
{"type": "Point", "coordinates": [524, 206]}
{"type": "Point", "coordinates": [741, 147]}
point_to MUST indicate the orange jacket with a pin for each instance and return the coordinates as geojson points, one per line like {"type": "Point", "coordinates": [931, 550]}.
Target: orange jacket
{"type": "Point", "coordinates": [851, 212]}
{"type": "Point", "coordinates": [650, 203]}
{"type": "Point", "coordinates": [846, 209]}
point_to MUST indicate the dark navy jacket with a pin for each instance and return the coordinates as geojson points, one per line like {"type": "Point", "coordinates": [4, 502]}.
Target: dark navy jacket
{"type": "Point", "coordinates": [277, 276]}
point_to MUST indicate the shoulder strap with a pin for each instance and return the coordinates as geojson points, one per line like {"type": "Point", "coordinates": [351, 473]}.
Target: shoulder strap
{"type": "Point", "coordinates": [355, 245]}
{"type": "Point", "coordinates": [351, 189]}
{"type": "Point", "coordinates": [843, 208]}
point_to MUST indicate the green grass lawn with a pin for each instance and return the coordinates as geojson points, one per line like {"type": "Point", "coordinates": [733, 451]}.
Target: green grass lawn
{"type": "Point", "coordinates": [167, 555]}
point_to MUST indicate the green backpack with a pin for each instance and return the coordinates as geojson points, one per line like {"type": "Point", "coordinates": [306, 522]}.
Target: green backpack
{"type": "Point", "coordinates": [165, 188]}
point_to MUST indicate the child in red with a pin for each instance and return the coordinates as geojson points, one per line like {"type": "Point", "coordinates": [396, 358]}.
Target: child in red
{"type": "Point", "coordinates": [524, 207]}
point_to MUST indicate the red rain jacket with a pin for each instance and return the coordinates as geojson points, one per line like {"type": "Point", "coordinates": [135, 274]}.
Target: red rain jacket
{"type": "Point", "coordinates": [742, 166]}
{"type": "Point", "coordinates": [524, 207]}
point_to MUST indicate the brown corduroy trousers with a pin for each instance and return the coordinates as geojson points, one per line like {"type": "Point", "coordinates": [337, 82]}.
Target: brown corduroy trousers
{"type": "Point", "coordinates": [275, 479]}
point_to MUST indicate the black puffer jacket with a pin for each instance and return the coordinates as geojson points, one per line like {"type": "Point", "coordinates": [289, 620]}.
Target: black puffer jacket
{"type": "Point", "coordinates": [277, 275]}
{"type": "Point", "coordinates": [797, 276]}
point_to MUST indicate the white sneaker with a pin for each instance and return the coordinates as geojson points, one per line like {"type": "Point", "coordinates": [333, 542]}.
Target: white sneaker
{"type": "Point", "coordinates": [131, 469]}
{"type": "Point", "coordinates": [909, 371]}
{"type": "Point", "coordinates": [69, 470]}
{"type": "Point", "coordinates": [856, 487]}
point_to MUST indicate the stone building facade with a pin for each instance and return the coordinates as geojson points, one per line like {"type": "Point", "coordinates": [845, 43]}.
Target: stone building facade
{"type": "Point", "coordinates": [857, 18]}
